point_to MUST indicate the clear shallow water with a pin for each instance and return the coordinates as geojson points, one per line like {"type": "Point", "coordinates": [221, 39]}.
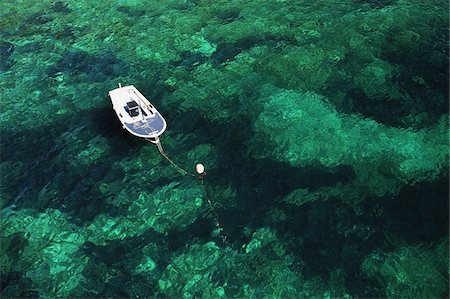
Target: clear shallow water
{"type": "Point", "coordinates": [323, 128]}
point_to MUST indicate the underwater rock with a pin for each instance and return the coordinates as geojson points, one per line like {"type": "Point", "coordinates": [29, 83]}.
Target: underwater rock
{"type": "Point", "coordinates": [105, 228]}
{"type": "Point", "coordinates": [375, 3]}
{"type": "Point", "coordinates": [174, 206]}
{"type": "Point", "coordinates": [61, 7]}
{"type": "Point", "coordinates": [410, 271]}
{"type": "Point", "coordinates": [190, 59]}
{"type": "Point", "coordinates": [375, 79]}
{"type": "Point", "coordinates": [31, 47]}
{"type": "Point", "coordinates": [54, 243]}
{"type": "Point", "coordinates": [306, 130]}
{"type": "Point", "coordinates": [38, 19]}
{"type": "Point", "coordinates": [95, 152]}
{"type": "Point", "coordinates": [228, 16]}
{"type": "Point", "coordinates": [96, 68]}
{"type": "Point", "coordinates": [189, 274]}
{"type": "Point", "coordinates": [228, 51]}
{"type": "Point", "coordinates": [6, 50]}
{"type": "Point", "coordinates": [131, 12]}
{"type": "Point", "coordinates": [260, 238]}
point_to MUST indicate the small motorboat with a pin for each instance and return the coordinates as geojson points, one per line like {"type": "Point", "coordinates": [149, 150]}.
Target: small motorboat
{"type": "Point", "coordinates": [137, 115]}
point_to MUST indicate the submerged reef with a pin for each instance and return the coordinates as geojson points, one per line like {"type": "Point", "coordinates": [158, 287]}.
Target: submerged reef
{"type": "Point", "coordinates": [323, 127]}
{"type": "Point", "coordinates": [305, 130]}
{"type": "Point", "coordinates": [410, 272]}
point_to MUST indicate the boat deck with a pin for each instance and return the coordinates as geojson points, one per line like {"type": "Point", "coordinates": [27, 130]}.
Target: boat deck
{"type": "Point", "coordinates": [148, 127]}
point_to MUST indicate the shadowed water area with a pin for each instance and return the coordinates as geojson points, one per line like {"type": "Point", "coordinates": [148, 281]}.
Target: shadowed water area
{"type": "Point", "coordinates": [323, 127]}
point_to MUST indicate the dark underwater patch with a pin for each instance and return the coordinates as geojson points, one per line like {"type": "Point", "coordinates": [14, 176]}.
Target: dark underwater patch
{"type": "Point", "coordinates": [122, 256]}
{"type": "Point", "coordinates": [375, 3]}
{"type": "Point", "coordinates": [423, 65]}
{"type": "Point", "coordinates": [61, 7]}
{"type": "Point", "coordinates": [134, 13]}
{"type": "Point", "coordinates": [36, 24]}
{"type": "Point", "coordinates": [190, 59]}
{"type": "Point", "coordinates": [228, 51]}
{"type": "Point", "coordinates": [67, 33]}
{"type": "Point", "coordinates": [96, 67]}
{"type": "Point", "coordinates": [17, 285]}
{"type": "Point", "coordinates": [228, 16]}
{"type": "Point", "coordinates": [6, 50]}
{"type": "Point", "coordinates": [37, 19]}
{"type": "Point", "coordinates": [421, 77]}
{"type": "Point", "coordinates": [388, 111]}
{"type": "Point", "coordinates": [31, 47]}
{"type": "Point", "coordinates": [82, 200]}
{"type": "Point", "coordinates": [417, 220]}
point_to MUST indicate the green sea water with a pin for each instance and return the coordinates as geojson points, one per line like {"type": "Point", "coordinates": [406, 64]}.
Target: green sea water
{"type": "Point", "coordinates": [323, 127]}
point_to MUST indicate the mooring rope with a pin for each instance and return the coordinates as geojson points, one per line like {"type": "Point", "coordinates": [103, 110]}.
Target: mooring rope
{"type": "Point", "coordinates": [218, 230]}
{"type": "Point", "coordinates": [163, 153]}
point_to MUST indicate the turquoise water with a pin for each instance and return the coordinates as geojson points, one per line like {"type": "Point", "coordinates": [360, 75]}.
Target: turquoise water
{"type": "Point", "coordinates": [323, 127]}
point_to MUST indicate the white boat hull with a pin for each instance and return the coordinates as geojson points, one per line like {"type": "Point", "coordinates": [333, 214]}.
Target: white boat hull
{"type": "Point", "coordinates": [137, 115]}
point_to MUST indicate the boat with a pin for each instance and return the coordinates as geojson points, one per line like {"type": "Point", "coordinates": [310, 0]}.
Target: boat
{"type": "Point", "coordinates": [137, 115]}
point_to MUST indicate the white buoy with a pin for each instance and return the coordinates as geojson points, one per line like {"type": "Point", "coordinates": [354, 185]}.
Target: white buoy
{"type": "Point", "coordinates": [200, 168]}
